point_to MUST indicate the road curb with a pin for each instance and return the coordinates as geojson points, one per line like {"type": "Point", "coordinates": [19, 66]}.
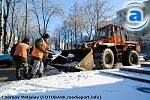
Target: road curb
{"type": "Point", "coordinates": [145, 65]}
{"type": "Point", "coordinates": [136, 70]}
{"type": "Point", "coordinates": [128, 77]}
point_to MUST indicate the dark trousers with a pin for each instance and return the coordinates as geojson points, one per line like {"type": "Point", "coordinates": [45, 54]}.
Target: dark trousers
{"type": "Point", "coordinates": [20, 62]}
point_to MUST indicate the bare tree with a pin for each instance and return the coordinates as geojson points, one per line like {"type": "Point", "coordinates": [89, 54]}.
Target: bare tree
{"type": "Point", "coordinates": [18, 23]}
{"type": "Point", "coordinates": [8, 4]}
{"type": "Point", "coordinates": [59, 37]}
{"type": "Point", "coordinates": [6, 14]}
{"type": "Point", "coordinates": [85, 19]}
{"type": "Point", "coordinates": [96, 12]}
{"type": "Point", "coordinates": [77, 20]}
{"type": "Point", "coordinates": [12, 24]}
{"type": "Point", "coordinates": [72, 26]}
{"type": "Point", "coordinates": [45, 9]}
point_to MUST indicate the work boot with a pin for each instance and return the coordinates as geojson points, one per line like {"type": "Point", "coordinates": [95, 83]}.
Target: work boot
{"type": "Point", "coordinates": [31, 76]}
{"type": "Point", "coordinates": [41, 75]}
{"type": "Point", "coordinates": [25, 73]}
{"type": "Point", "coordinates": [30, 68]}
{"type": "Point", "coordinates": [26, 76]}
{"type": "Point", "coordinates": [18, 76]}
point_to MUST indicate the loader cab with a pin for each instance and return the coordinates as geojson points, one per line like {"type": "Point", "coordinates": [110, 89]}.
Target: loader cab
{"type": "Point", "coordinates": [110, 34]}
{"type": "Point", "coordinates": [105, 34]}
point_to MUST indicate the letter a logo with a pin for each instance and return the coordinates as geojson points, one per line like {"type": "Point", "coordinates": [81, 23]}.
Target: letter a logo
{"type": "Point", "coordinates": [135, 15]}
{"type": "Point", "coordinates": [136, 18]}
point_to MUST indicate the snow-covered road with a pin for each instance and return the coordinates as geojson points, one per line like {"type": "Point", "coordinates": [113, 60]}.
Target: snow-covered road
{"type": "Point", "coordinates": [91, 85]}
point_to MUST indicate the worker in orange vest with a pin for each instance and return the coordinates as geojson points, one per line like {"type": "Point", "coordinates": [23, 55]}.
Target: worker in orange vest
{"type": "Point", "coordinates": [20, 57]}
{"type": "Point", "coordinates": [38, 55]}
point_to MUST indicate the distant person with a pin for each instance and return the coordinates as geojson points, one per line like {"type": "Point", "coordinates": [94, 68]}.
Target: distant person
{"type": "Point", "coordinates": [38, 55]}
{"type": "Point", "coordinates": [76, 46]}
{"type": "Point", "coordinates": [20, 57]}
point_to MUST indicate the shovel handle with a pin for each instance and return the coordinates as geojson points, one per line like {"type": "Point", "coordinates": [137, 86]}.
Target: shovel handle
{"type": "Point", "coordinates": [58, 55]}
{"type": "Point", "coordinates": [51, 52]}
{"type": "Point", "coordinates": [61, 56]}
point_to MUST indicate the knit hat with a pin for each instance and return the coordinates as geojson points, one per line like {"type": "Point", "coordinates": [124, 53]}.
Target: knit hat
{"type": "Point", "coordinates": [26, 40]}
{"type": "Point", "coordinates": [46, 36]}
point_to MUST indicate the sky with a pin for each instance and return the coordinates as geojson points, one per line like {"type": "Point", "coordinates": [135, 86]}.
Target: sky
{"type": "Point", "coordinates": [67, 4]}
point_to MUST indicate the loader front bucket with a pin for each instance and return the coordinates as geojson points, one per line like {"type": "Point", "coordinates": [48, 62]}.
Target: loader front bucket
{"type": "Point", "coordinates": [82, 60]}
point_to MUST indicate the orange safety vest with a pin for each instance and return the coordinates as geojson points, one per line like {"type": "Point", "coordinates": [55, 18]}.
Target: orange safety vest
{"type": "Point", "coordinates": [38, 53]}
{"type": "Point", "coordinates": [21, 50]}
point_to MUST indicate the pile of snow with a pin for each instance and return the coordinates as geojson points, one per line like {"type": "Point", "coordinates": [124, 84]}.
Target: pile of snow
{"type": "Point", "coordinates": [91, 85]}
{"type": "Point", "coordinates": [70, 55]}
{"type": "Point", "coordinates": [50, 70]}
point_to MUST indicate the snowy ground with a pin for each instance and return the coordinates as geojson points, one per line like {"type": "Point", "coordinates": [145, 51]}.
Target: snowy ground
{"type": "Point", "coordinates": [91, 85]}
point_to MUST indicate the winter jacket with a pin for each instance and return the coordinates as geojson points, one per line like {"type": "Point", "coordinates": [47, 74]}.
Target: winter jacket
{"type": "Point", "coordinates": [39, 49]}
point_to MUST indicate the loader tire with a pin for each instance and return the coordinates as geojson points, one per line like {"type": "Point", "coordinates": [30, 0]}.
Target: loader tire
{"type": "Point", "coordinates": [107, 59]}
{"type": "Point", "coordinates": [130, 58]}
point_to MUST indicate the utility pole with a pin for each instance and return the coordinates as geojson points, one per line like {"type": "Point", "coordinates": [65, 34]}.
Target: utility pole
{"type": "Point", "coordinates": [1, 25]}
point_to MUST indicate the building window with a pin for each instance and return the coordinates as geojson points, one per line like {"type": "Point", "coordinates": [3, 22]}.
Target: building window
{"type": "Point", "coordinates": [124, 13]}
{"type": "Point", "coordinates": [144, 9]}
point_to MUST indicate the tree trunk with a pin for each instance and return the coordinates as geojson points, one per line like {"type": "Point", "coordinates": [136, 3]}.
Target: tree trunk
{"type": "Point", "coordinates": [76, 32]}
{"type": "Point", "coordinates": [71, 41]}
{"type": "Point", "coordinates": [14, 39]}
{"type": "Point", "coordinates": [81, 37]}
{"type": "Point", "coordinates": [90, 33]}
{"type": "Point", "coordinates": [11, 34]}
{"type": "Point", "coordinates": [59, 40]}
{"type": "Point", "coordinates": [5, 35]}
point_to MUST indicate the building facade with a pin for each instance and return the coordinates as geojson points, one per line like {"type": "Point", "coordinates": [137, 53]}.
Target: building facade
{"type": "Point", "coordinates": [143, 35]}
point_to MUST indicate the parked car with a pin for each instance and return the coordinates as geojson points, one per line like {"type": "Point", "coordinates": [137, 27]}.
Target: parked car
{"type": "Point", "coordinates": [6, 60]}
{"type": "Point", "coordinates": [147, 56]}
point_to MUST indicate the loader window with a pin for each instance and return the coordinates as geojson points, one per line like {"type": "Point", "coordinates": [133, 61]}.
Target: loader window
{"type": "Point", "coordinates": [103, 34]}
{"type": "Point", "coordinates": [117, 30]}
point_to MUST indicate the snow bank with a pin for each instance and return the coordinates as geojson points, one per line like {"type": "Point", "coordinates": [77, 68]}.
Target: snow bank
{"type": "Point", "coordinates": [70, 55]}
